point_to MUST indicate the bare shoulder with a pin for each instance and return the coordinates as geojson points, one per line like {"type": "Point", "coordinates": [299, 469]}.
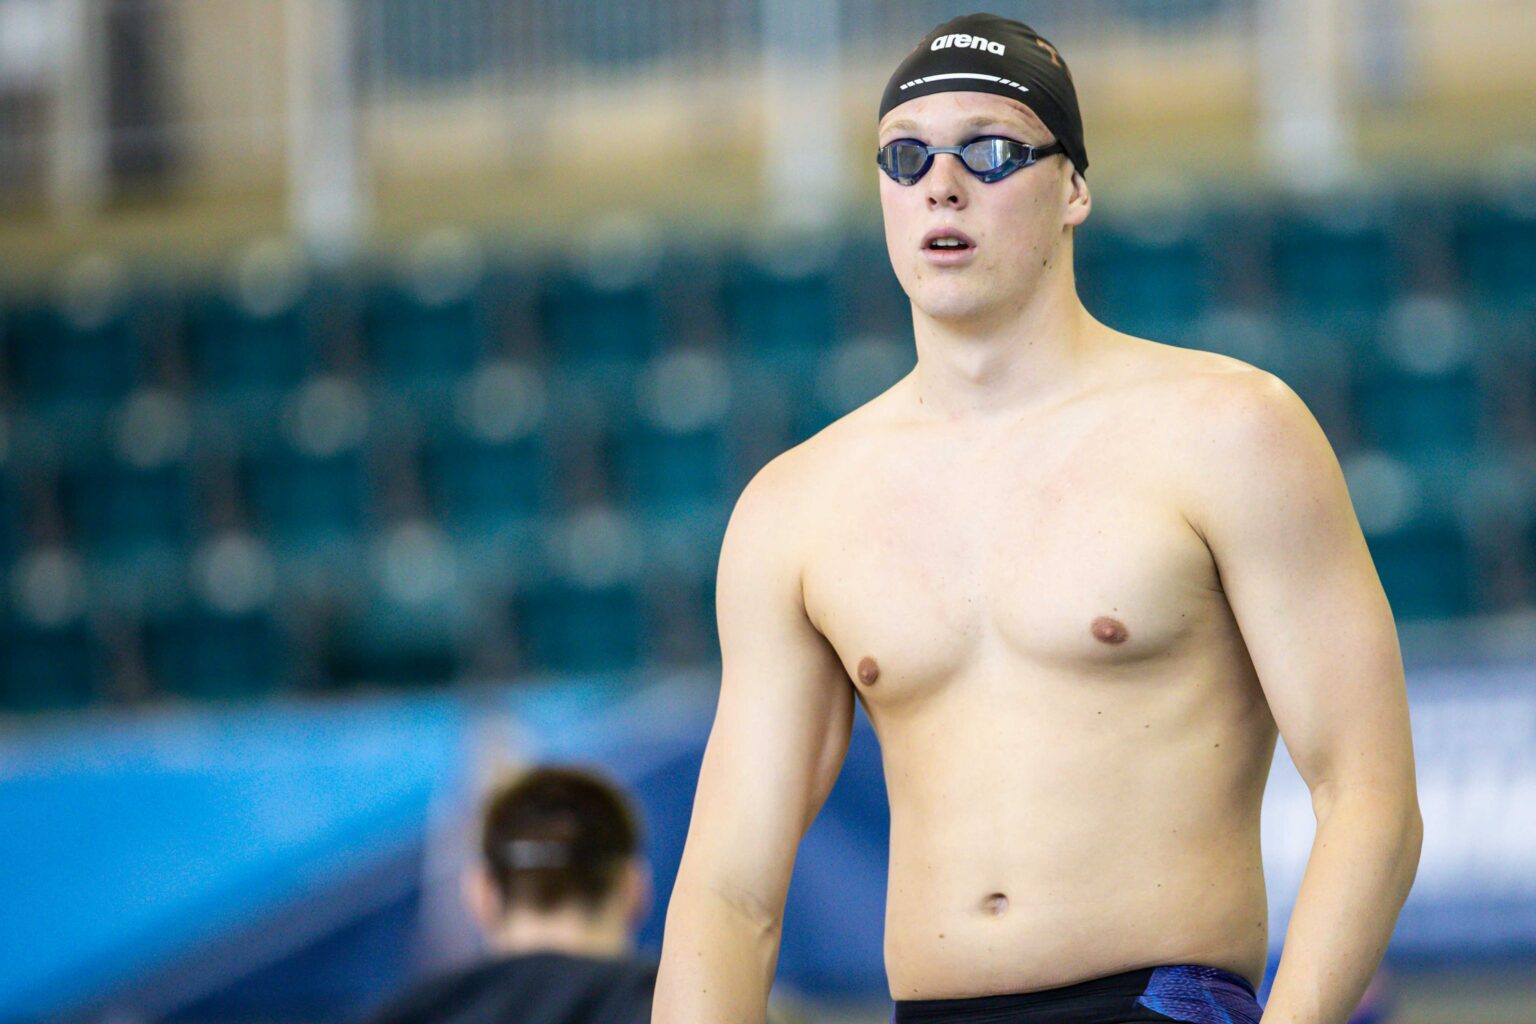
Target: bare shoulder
{"type": "Point", "coordinates": [1207, 394]}
{"type": "Point", "coordinates": [1235, 406]}
{"type": "Point", "coordinates": [1238, 437]}
{"type": "Point", "coordinates": [1206, 421]}
{"type": "Point", "coordinates": [777, 506]}
{"type": "Point", "coordinates": [804, 470]}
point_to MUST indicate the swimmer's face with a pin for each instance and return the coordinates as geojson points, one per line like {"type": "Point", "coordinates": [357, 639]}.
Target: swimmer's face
{"type": "Point", "coordinates": [1020, 224]}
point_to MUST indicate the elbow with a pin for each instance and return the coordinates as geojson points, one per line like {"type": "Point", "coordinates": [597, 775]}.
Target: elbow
{"type": "Point", "coordinates": [1411, 835]}
{"type": "Point", "coordinates": [1415, 838]}
{"type": "Point", "coordinates": [1389, 816]}
{"type": "Point", "coordinates": [757, 910]}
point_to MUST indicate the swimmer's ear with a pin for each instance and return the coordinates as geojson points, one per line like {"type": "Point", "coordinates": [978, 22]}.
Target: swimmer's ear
{"type": "Point", "coordinates": [1079, 200]}
{"type": "Point", "coordinates": [478, 891]}
{"type": "Point", "coordinates": [639, 891]}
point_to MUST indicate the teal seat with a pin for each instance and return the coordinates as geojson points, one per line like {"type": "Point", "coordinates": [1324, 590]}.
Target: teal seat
{"type": "Point", "coordinates": [670, 444]}
{"type": "Point", "coordinates": [48, 667]}
{"type": "Point", "coordinates": [308, 505]}
{"type": "Point", "coordinates": [1495, 244]}
{"type": "Point", "coordinates": [681, 617]}
{"type": "Point", "coordinates": [781, 310]}
{"type": "Point", "coordinates": [480, 487]}
{"type": "Point", "coordinates": [124, 513]}
{"type": "Point", "coordinates": [78, 362]}
{"type": "Point", "coordinates": [663, 471]}
{"type": "Point", "coordinates": [1336, 264]}
{"type": "Point", "coordinates": [1427, 569]}
{"type": "Point", "coordinates": [1152, 279]}
{"type": "Point", "coordinates": [252, 348]}
{"type": "Point", "coordinates": [1418, 389]}
{"type": "Point", "coordinates": [376, 641]}
{"type": "Point", "coordinates": [1409, 414]}
{"type": "Point", "coordinates": [419, 338]}
{"type": "Point", "coordinates": [598, 330]}
{"type": "Point", "coordinates": [12, 519]}
{"type": "Point", "coordinates": [563, 626]}
{"type": "Point", "coordinates": [202, 653]}
{"type": "Point", "coordinates": [869, 296]}
{"type": "Point", "coordinates": [1414, 516]}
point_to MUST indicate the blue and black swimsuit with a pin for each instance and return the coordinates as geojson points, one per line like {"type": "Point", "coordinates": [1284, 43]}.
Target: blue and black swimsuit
{"type": "Point", "coordinates": [1188, 993]}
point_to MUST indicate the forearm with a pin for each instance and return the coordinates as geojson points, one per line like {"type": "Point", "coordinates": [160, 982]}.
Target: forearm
{"type": "Point", "coordinates": [717, 960]}
{"type": "Point", "coordinates": [1362, 864]}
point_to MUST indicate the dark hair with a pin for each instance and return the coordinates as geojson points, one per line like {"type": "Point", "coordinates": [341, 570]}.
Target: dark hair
{"type": "Point", "coordinates": [557, 834]}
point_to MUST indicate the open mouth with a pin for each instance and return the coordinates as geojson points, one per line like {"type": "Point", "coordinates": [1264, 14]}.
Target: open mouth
{"type": "Point", "coordinates": [947, 240]}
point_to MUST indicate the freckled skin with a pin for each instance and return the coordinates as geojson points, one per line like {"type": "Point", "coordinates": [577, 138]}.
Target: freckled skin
{"type": "Point", "coordinates": [1111, 631]}
{"type": "Point", "coordinates": [868, 671]}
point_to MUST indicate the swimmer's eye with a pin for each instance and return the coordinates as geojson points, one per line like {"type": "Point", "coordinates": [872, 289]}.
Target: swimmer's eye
{"type": "Point", "coordinates": [989, 157]}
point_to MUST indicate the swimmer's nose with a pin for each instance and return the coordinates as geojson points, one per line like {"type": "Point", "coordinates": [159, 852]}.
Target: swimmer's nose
{"type": "Point", "coordinates": [945, 181]}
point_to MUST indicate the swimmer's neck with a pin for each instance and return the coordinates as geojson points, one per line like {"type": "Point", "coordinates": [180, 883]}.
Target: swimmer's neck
{"type": "Point", "coordinates": [571, 931]}
{"type": "Point", "coordinates": [996, 369]}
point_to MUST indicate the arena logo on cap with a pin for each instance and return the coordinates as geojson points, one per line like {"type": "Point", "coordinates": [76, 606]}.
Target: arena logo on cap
{"type": "Point", "coordinates": [965, 41]}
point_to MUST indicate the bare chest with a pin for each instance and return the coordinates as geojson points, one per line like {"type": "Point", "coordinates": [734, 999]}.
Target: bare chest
{"type": "Point", "coordinates": [1072, 556]}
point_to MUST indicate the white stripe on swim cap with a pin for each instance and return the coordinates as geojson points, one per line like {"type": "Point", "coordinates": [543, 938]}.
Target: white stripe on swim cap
{"type": "Point", "coordinates": [537, 853]}
{"type": "Point", "coordinates": [966, 74]}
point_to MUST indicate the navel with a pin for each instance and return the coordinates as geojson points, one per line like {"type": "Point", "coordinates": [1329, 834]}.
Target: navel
{"type": "Point", "coordinates": [869, 671]}
{"type": "Point", "coordinates": [997, 903]}
{"type": "Point", "coordinates": [1108, 630]}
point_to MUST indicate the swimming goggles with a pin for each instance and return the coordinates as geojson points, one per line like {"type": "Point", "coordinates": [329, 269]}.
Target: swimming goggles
{"type": "Point", "coordinates": [989, 157]}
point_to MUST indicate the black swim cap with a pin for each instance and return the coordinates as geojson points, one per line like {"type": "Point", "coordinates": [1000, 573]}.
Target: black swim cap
{"type": "Point", "coordinates": [987, 53]}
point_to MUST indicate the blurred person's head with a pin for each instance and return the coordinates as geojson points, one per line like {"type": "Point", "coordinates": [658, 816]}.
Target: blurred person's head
{"type": "Point", "coordinates": [981, 75]}
{"type": "Point", "coordinates": [560, 866]}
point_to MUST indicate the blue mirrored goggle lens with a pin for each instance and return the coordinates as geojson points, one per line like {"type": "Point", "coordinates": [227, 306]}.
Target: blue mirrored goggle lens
{"type": "Point", "coordinates": [906, 161]}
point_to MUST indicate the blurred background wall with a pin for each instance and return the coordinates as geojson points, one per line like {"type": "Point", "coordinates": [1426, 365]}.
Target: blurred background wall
{"type": "Point", "coordinates": [376, 379]}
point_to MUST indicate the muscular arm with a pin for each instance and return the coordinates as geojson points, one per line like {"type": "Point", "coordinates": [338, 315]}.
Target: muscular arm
{"type": "Point", "coordinates": [1272, 506]}
{"type": "Point", "coordinates": [780, 734]}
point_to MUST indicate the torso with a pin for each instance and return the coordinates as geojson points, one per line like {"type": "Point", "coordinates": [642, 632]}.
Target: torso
{"type": "Point", "coordinates": [1074, 740]}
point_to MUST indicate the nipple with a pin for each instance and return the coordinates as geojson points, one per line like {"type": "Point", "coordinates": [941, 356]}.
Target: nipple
{"type": "Point", "coordinates": [1108, 630]}
{"type": "Point", "coordinates": [868, 671]}
{"type": "Point", "coordinates": [997, 903]}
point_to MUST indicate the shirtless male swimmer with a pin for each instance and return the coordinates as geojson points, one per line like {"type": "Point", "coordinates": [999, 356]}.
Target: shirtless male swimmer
{"type": "Point", "coordinates": [1078, 580]}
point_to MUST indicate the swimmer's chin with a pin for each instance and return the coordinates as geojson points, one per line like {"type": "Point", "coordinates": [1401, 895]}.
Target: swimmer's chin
{"type": "Point", "coordinates": [958, 314]}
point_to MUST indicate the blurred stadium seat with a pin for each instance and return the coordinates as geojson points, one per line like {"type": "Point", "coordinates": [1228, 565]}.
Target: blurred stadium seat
{"type": "Point", "coordinates": [250, 339]}
{"type": "Point", "coordinates": [1407, 509]}
{"type": "Point", "coordinates": [585, 613]}
{"type": "Point", "coordinates": [203, 652]}
{"type": "Point", "coordinates": [1151, 275]}
{"type": "Point", "coordinates": [568, 627]}
{"type": "Point", "coordinates": [672, 440]}
{"type": "Point", "coordinates": [1419, 387]}
{"type": "Point", "coordinates": [135, 498]}
{"type": "Point", "coordinates": [628, 400]}
{"type": "Point", "coordinates": [52, 657]}
{"type": "Point", "coordinates": [79, 348]}
{"type": "Point", "coordinates": [1335, 262]}
{"type": "Point", "coordinates": [1426, 570]}
{"type": "Point", "coordinates": [780, 303]}
{"type": "Point", "coordinates": [310, 489]}
{"type": "Point", "coordinates": [10, 515]}
{"type": "Point", "coordinates": [489, 472]}
{"type": "Point", "coordinates": [601, 316]}
{"type": "Point", "coordinates": [49, 667]}
{"type": "Point", "coordinates": [427, 326]}
{"type": "Point", "coordinates": [1495, 242]}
